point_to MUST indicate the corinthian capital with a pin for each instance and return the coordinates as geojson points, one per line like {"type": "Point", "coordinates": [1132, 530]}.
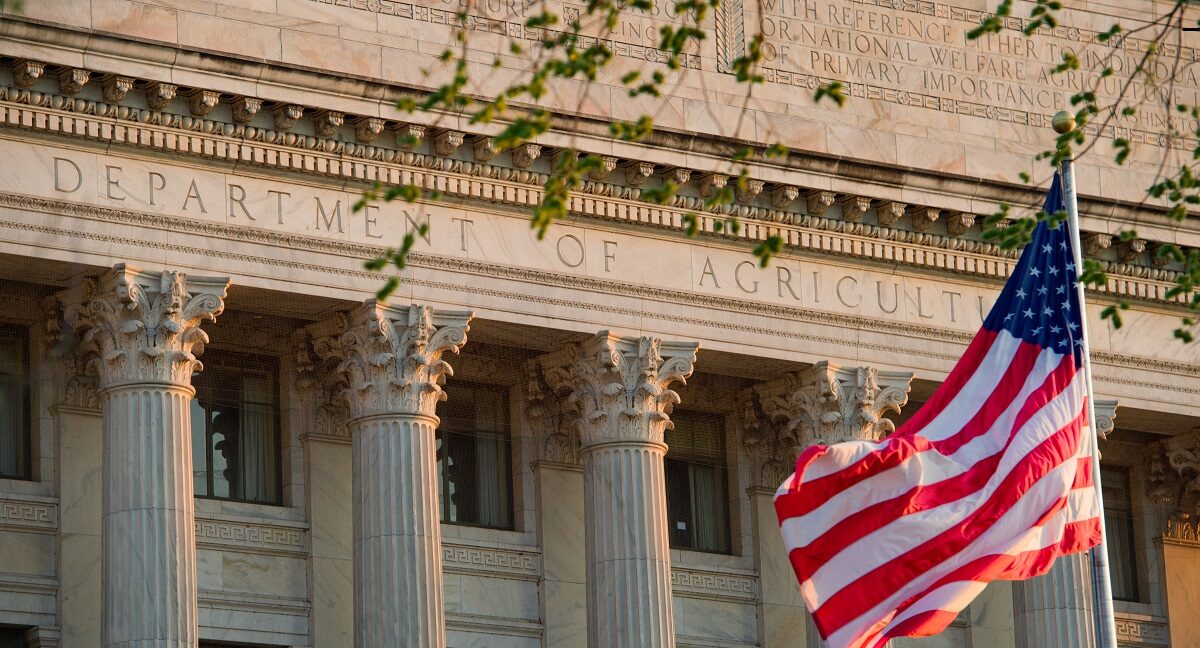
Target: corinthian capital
{"type": "Point", "coordinates": [826, 403]}
{"type": "Point", "coordinates": [622, 387]}
{"type": "Point", "coordinates": [145, 326]}
{"type": "Point", "coordinates": [392, 357]}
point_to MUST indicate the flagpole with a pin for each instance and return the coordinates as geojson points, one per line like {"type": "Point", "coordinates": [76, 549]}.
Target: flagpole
{"type": "Point", "coordinates": [1106, 629]}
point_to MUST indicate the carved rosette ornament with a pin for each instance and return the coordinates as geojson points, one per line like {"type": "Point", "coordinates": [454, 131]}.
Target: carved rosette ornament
{"type": "Point", "coordinates": [622, 387]}
{"type": "Point", "coordinates": [783, 195]}
{"type": "Point", "coordinates": [245, 108]}
{"type": "Point", "coordinates": [158, 95]}
{"type": "Point", "coordinates": [72, 80]}
{"type": "Point", "coordinates": [26, 73]}
{"type": "Point", "coordinates": [115, 88]}
{"type": "Point", "coordinates": [637, 172]}
{"type": "Point", "coordinates": [145, 327]}
{"type": "Point", "coordinates": [854, 207]}
{"type": "Point", "coordinates": [889, 213]}
{"type": "Point", "coordinates": [201, 102]}
{"type": "Point", "coordinates": [819, 201]}
{"type": "Point", "coordinates": [287, 115]}
{"type": "Point", "coordinates": [393, 358]}
{"type": "Point", "coordinates": [959, 222]}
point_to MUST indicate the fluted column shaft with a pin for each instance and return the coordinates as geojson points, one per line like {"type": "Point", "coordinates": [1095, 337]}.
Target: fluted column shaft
{"type": "Point", "coordinates": [149, 553]}
{"type": "Point", "coordinates": [629, 566]}
{"type": "Point", "coordinates": [398, 597]}
{"type": "Point", "coordinates": [1056, 609]}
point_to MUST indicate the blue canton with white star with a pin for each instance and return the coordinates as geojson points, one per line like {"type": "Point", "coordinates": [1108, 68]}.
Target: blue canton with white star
{"type": "Point", "coordinates": [1040, 304]}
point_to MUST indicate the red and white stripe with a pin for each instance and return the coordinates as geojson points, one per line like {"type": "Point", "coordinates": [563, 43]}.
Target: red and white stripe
{"type": "Point", "coordinates": [991, 479]}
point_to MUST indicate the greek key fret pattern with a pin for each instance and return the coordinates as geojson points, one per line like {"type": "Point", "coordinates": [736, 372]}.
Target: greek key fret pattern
{"type": "Point", "coordinates": [251, 536]}
{"type": "Point", "coordinates": [1140, 632]}
{"type": "Point", "coordinates": [706, 584]}
{"type": "Point", "coordinates": [23, 514]}
{"type": "Point", "coordinates": [489, 560]}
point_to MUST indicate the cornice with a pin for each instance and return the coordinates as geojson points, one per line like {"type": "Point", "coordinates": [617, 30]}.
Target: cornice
{"type": "Point", "coordinates": [162, 62]}
{"type": "Point", "coordinates": [541, 278]}
{"type": "Point", "coordinates": [359, 156]}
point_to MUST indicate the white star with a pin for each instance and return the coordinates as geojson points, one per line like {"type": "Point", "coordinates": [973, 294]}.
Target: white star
{"type": "Point", "coordinates": [1042, 290]}
{"type": "Point", "coordinates": [1054, 270]}
{"type": "Point", "coordinates": [1055, 329]}
{"type": "Point", "coordinates": [1063, 245]}
{"type": "Point", "coordinates": [1064, 343]}
{"type": "Point", "coordinates": [1046, 248]}
{"type": "Point", "coordinates": [1009, 316]}
{"type": "Point", "coordinates": [1047, 311]}
{"type": "Point", "coordinates": [1079, 343]}
{"type": "Point", "coordinates": [1028, 312]}
{"type": "Point", "coordinates": [1070, 267]}
{"type": "Point", "coordinates": [1062, 288]}
{"type": "Point", "coordinates": [1072, 326]}
{"type": "Point", "coordinates": [1021, 293]}
{"type": "Point", "coordinates": [1035, 272]}
{"type": "Point", "coordinates": [1037, 331]}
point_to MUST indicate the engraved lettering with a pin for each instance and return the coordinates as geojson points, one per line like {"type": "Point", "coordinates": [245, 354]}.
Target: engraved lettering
{"type": "Point", "coordinates": [737, 277]}
{"type": "Point", "coordinates": [566, 255]}
{"type": "Point", "coordinates": [327, 218]}
{"type": "Point", "coordinates": [921, 306]}
{"type": "Point", "coordinates": [785, 281]}
{"type": "Point", "coordinates": [842, 298]}
{"type": "Point", "coordinates": [162, 184]}
{"type": "Point", "coordinates": [895, 297]}
{"type": "Point", "coordinates": [708, 272]}
{"type": "Point", "coordinates": [610, 254]}
{"type": "Point", "coordinates": [411, 226]}
{"type": "Point", "coordinates": [59, 185]}
{"type": "Point", "coordinates": [369, 220]}
{"type": "Point", "coordinates": [464, 230]}
{"type": "Point", "coordinates": [111, 183]}
{"type": "Point", "coordinates": [194, 193]}
{"type": "Point", "coordinates": [239, 200]}
{"type": "Point", "coordinates": [278, 202]}
{"type": "Point", "coordinates": [952, 295]}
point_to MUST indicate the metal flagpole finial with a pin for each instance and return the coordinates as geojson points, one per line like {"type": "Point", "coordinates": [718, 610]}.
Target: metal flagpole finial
{"type": "Point", "coordinates": [1063, 122]}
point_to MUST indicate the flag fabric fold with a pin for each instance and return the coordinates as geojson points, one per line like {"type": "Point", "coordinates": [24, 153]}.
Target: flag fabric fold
{"type": "Point", "coordinates": [991, 479]}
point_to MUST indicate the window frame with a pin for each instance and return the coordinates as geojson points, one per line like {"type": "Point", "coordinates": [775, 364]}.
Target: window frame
{"type": "Point", "coordinates": [504, 471]}
{"type": "Point", "coordinates": [236, 360]}
{"type": "Point", "coordinates": [721, 462]}
{"type": "Point", "coordinates": [1131, 516]}
{"type": "Point", "coordinates": [21, 334]}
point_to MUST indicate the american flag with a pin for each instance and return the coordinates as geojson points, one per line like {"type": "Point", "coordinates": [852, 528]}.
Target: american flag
{"type": "Point", "coordinates": [991, 479]}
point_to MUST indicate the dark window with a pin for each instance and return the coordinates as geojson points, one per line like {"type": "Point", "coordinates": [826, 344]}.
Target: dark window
{"type": "Point", "coordinates": [14, 403]}
{"type": "Point", "coordinates": [235, 428]}
{"type": "Point", "coordinates": [697, 483]}
{"type": "Point", "coordinates": [1119, 524]}
{"type": "Point", "coordinates": [474, 456]}
{"type": "Point", "coordinates": [12, 637]}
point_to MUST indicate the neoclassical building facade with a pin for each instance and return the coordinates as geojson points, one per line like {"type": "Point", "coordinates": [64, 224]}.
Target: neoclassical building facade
{"type": "Point", "coordinates": [213, 434]}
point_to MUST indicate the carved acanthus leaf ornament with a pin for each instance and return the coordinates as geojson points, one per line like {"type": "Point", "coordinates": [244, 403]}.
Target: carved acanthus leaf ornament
{"type": "Point", "coordinates": [145, 326]}
{"type": "Point", "coordinates": [548, 407]}
{"type": "Point", "coordinates": [622, 387]}
{"type": "Point", "coordinates": [1173, 476]}
{"type": "Point", "coordinates": [393, 358]}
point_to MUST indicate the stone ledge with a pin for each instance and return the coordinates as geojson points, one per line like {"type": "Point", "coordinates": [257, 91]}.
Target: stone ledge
{"type": "Point", "coordinates": [716, 585]}
{"type": "Point", "coordinates": [1139, 630]}
{"type": "Point", "coordinates": [496, 562]}
{"type": "Point", "coordinates": [25, 514]}
{"type": "Point", "coordinates": [251, 536]}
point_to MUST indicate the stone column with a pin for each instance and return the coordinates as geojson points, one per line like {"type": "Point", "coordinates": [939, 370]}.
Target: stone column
{"type": "Point", "coordinates": [623, 402]}
{"type": "Point", "coordinates": [393, 367]}
{"type": "Point", "coordinates": [144, 329]}
{"type": "Point", "coordinates": [823, 404]}
{"type": "Point", "coordinates": [1056, 608]}
{"type": "Point", "coordinates": [558, 475]}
